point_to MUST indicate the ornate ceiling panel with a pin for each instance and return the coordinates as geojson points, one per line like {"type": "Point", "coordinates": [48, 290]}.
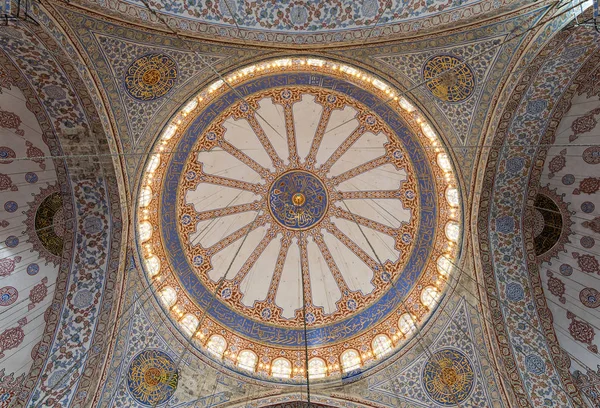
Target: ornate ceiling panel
{"type": "Point", "coordinates": [311, 188]}
{"type": "Point", "coordinates": [289, 23]}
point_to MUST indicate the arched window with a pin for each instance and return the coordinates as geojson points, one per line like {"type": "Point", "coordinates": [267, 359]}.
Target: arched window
{"type": "Point", "coordinates": [317, 368]}
{"type": "Point", "coordinates": [452, 231]}
{"type": "Point", "coordinates": [145, 196]}
{"type": "Point", "coordinates": [145, 231]}
{"type": "Point", "coordinates": [153, 162]}
{"type": "Point", "coordinates": [216, 345]}
{"type": "Point", "coordinates": [444, 162]}
{"type": "Point", "coordinates": [247, 360]}
{"type": "Point", "coordinates": [281, 368]}
{"type": "Point", "coordinates": [153, 265]}
{"type": "Point", "coordinates": [430, 296]}
{"type": "Point", "coordinates": [444, 265]}
{"type": "Point", "coordinates": [350, 360]}
{"type": "Point", "coordinates": [381, 345]}
{"type": "Point", "coordinates": [189, 323]}
{"type": "Point", "coordinates": [406, 324]}
{"type": "Point", "coordinates": [452, 196]}
{"type": "Point", "coordinates": [168, 296]}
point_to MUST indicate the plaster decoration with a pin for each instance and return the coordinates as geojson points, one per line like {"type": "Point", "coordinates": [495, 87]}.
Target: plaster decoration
{"type": "Point", "coordinates": [67, 336]}
{"type": "Point", "coordinates": [548, 78]}
{"type": "Point", "coordinates": [12, 337]}
{"type": "Point", "coordinates": [302, 197]}
{"type": "Point", "coordinates": [289, 23]}
{"type": "Point", "coordinates": [8, 295]}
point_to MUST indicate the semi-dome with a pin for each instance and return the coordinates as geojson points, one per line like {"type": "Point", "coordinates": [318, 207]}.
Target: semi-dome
{"type": "Point", "coordinates": [298, 203]}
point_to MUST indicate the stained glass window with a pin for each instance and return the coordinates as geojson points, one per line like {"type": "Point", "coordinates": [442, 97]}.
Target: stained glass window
{"type": "Point", "coordinates": [189, 323]}
{"type": "Point", "coordinates": [430, 296]}
{"type": "Point", "coordinates": [168, 296]}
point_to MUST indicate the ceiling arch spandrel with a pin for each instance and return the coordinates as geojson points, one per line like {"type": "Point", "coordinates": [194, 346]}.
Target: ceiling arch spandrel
{"type": "Point", "coordinates": [143, 76]}
{"type": "Point", "coordinates": [482, 57]}
{"type": "Point", "coordinates": [347, 198]}
{"type": "Point", "coordinates": [293, 24]}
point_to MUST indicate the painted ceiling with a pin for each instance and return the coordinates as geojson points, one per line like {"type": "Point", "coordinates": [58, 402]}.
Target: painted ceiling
{"type": "Point", "coordinates": [293, 192]}
{"type": "Point", "coordinates": [401, 223]}
{"type": "Point", "coordinates": [293, 23]}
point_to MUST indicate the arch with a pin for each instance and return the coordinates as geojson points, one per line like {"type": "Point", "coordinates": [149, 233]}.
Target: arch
{"type": "Point", "coordinates": [281, 368]}
{"type": "Point", "coordinates": [406, 324]}
{"type": "Point", "coordinates": [189, 323]}
{"type": "Point", "coordinates": [168, 296]}
{"type": "Point", "coordinates": [350, 360]}
{"type": "Point", "coordinates": [430, 296]}
{"type": "Point", "coordinates": [381, 345]}
{"type": "Point", "coordinates": [216, 345]}
{"type": "Point", "coordinates": [317, 368]}
{"type": "Point", "coordinates": [247, 360]}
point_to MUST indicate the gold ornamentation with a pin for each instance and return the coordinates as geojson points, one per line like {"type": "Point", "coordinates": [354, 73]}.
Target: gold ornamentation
{"type": "Point", "coordinates": [448, 78]}
{"type": "Point", "coordinates": [151, 77]}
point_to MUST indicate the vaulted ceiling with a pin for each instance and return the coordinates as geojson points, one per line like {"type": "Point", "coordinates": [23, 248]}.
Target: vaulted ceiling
{"type": "Point", "coordinates": [356, 204]}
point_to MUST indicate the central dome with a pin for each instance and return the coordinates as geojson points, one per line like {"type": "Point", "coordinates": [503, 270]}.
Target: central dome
{"type": "Point", "coordinates": [295, 207]}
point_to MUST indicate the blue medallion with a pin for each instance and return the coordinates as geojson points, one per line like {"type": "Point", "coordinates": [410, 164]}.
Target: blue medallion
{"type": "Point", "coordinates": [297, 200]}
{"type": "Point", "coordinates": [152, 377]}
{"type": "Point", "coordinates": [448, 377]}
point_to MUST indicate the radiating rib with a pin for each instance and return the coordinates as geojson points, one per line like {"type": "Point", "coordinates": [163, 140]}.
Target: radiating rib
{"type": "Point", "coordinates": [290, 130]}
{"type": "Point", "coordinates": [234, 236]}
{"type": "Point", "coordinates": [351, 245]}
{"type": "Point", "coordinates": [384, 229]}
{"type": "Point", "coordinates": [264, 140]}
{"type": "Point", "coordinates": [304, 268]}
{"type": "Point", "coordinates": [316, 142]}
{"type": "Point", "coordinates": [227, 182]}
{"type": "Point", "coordinates": [244, 158]}
{"type": "Point", "coordinates": [366, 195]}
{"type": "Point", "coordinates": [260, 248]}
{"type": "Point", "coordinates": [285, 246]}
{"type": "Point", "coordinates": [339, 152]}
{"type": "Point", "coordinates": [335, 271]}
{"type": "Point", "coordinates": [234, 209]}
{"type": "Point", "coordinates": [363, 168]}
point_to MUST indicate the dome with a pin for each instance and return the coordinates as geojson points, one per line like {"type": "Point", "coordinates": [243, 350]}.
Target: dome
{"type": "Point", "coordinates": [298, 202]}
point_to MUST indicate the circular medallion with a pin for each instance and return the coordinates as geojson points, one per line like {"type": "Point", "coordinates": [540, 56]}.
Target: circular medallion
{"type": "Point", "coordinates": [6, 153]}
{"type": "Point", "coordinates": [31, 177]}
{"type": "Point", "coordinates": [297, 200]}
{"type": "Point", "coordinates": [152, 377]}
{"type": "Point", "coordinates": [11, 241]}
{"type": "Point", "coordinates": [33, 269]}
{"type": "Point", "coordinates": [11, 206]}
{"type": "Point", "coordinates": [591, 155]}
{"type": "Point", "coordinates": [293, 184]}
{"type": "Point", "coordinates": [8, 295]}
{"type": "Point", "coordinates": [448, 78]}
{"type": "Point", "coordinates": [151, 76]}
{"type": "Point", "coordinates": [590, 297]}
{"type": "Point", "coordinates": [448, 377]}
